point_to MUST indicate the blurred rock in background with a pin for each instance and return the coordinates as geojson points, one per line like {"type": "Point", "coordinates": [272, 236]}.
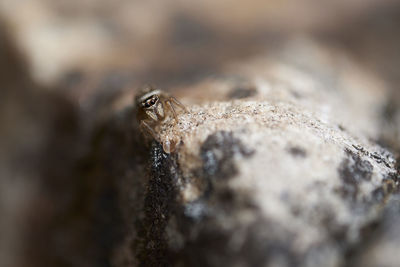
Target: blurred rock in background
{"type": "Point", "coordinates": [70, 159]}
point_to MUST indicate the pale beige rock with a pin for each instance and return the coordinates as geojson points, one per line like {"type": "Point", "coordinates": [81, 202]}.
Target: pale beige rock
{"type": "Point", "coordinates": [277, 167]}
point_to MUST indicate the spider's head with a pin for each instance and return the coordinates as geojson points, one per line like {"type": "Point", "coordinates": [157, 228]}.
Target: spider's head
{"type": "Point", "coordinates": [148, 98]}
{"type": "Point", "coordinates": [149, 103]}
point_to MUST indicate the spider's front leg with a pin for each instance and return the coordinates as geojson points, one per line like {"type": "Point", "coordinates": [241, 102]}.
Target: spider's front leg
{"type": "Point", "coordinates": [171, 101]}
{"type": "Point", "coordinates": [179, 104]}
{"type": "Point", "coordinates": [146, 128]}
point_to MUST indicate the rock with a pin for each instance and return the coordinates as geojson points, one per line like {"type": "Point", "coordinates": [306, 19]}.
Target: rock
{"type": "Point", "coordinates": [381, 247]}
{"type": "Point", "coordinates": [278, 167]}
{"type": "Point", "coordinates": [286, 156]}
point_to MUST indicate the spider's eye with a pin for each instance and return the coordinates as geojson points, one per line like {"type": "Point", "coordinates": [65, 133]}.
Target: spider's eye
{"type": "Point", "coordinates": [150, 101]}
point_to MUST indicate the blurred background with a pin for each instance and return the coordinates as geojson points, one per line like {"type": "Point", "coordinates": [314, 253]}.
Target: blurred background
{"type": "Point", "coordinates": [63, 61]}
{"type": "Point", "coordinates": [176, 41]}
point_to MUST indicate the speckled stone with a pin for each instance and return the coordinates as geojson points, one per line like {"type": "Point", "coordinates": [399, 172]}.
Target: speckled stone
{"type": "Point", "coordinates": [287, 175]}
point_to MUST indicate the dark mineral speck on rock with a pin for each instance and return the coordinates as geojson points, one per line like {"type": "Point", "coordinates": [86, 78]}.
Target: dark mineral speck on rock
{"type": "Point", "coordinates": [218, 152]}
{"type": "Point", "coordinates": [353, 171]}
{"type": "Point", "coordinates": [298, 152]}
{"type": "Point", "coordinates": [242, 92]}
{"type": "Point", "coordinates": [151, 243]}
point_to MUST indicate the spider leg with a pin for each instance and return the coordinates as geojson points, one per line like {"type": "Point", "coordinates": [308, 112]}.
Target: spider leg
{"type": "Point", "coordinates": [169, 103]}
{"type": "Point", "coordinates": [179, 104]}
{"type": "Point", "coordinates": [146, 127]}
{"type": "Point", "coordinates": [160, 112]}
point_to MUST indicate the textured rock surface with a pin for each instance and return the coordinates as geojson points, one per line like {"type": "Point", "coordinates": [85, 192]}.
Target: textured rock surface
{"type": "Point", "coordinates": [278, 167]}
{"type": "Point", "coordinates": [278, 161]}
{"type": "Point", "coordinates": [380, 249]}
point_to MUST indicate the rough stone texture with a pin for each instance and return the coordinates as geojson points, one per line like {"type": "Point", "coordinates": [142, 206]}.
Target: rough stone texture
{"type": "Point", "coordinates": [283, 159]}
{"type": "Point", "coordinates": [278, 168]}
{"type": "Point", "coordinates": [380, 249]}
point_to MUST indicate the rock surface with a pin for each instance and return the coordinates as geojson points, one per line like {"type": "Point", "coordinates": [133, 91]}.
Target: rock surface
{"type": "Point", "coordinates": [279, 167]}
{"type": "Point", "coordinates": [280, 159]}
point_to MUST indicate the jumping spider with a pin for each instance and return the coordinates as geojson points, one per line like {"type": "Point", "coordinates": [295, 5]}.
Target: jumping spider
{"type": "Point", "coordinates": [153, 107]}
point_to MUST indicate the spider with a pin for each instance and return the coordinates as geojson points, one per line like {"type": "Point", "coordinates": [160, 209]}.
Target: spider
{"type": "Point", "coordinates": [153, 107]}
